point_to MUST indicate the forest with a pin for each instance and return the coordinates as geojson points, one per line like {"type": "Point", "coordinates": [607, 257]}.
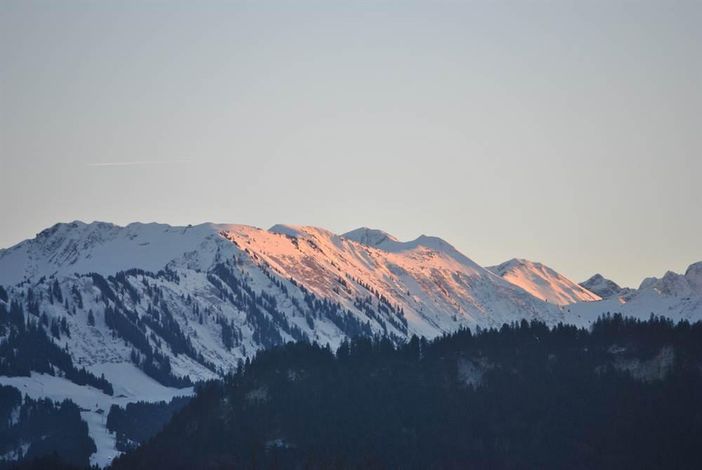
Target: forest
{"type": "Point", "coordinates": [42, 431]}
{"type": "Point", "coordinates": [623, 394]}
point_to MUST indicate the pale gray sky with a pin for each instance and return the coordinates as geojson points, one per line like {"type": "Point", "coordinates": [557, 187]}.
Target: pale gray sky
{"type": "Point", "coordinates": [564, 132]}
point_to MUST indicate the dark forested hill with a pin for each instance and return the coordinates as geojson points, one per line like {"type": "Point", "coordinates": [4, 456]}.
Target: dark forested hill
{"type": "Point", "coordinates": [624, 395]}
{"type": "Point", "coordinates": [51, 432]}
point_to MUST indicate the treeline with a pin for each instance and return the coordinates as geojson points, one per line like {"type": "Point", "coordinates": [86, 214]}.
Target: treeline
{"type": "Point", "coordinates": [261, 310]}
{"type": "Point", "coordinates": [134, 329]}
{"type": "Point", "coordinates": [267, 321]}
{"type": "Point", "coordinates": [27, 347]}
{"type": "Point", "coordinates": [522, 396]}
{"type": "Point", "coordinates": [131, 328]}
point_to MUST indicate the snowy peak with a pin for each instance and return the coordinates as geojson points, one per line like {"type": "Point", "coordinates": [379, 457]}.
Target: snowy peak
{"type": "Point", "coordinates": [286, 229]}
{"type": "Point", "coordinates": [676, 284]}
{"type": "Point", "coordinates": [104, 248]}
{"type": "Point", "coordinates": [436, 287]}
{"type": "Point", "coordinates": [387, 243]}
{"type": "Point", "coordinates": [693, 274]}
{"type": "Point", "coordinates": [543, 282]}
{"type": "Point", "coordinates": [603, 287]}
{"type": "Point", "coordinates": [675, 296]}
{"type": "Point", "coordinates": [369, 236]}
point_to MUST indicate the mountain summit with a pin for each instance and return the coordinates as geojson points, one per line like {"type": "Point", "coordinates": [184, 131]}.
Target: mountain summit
{"type": "Point", "coordinates": [603, 287]}
{"type": "Point", "coordinates": [543, 282]}
{"type": "Point", "coordinates": [370, 236]}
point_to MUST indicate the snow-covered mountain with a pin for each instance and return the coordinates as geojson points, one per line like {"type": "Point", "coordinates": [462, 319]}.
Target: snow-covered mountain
{"type": "Point", "coordinates": [435, 288]}
{"type": "Point", "coordinates": [153, 305]}
{"type": "Point", "coordinates": [543, 282]}
{"type": "Point", "coordinates": [604, 287]}
{"type": "Point", "coordinates": [143, 311]}
{"type": "Point", "coordinates": [675, 296]}
{"type": "Point", "coordinates": [259, 287]}
{"type": "Point", "coordinates": [681, 285]}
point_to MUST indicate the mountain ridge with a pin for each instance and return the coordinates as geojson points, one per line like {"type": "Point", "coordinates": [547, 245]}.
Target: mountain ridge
{"type": "Point", "coordinates": [161, 307]}
{"type": "Point", "coordinates": [543, 282]}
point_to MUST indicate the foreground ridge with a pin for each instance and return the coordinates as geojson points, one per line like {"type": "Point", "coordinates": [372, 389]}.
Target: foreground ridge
{"type": "Point", "coordinates": [461, 401]}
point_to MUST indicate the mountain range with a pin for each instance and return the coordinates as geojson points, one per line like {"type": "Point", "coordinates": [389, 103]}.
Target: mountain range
{"type": "Point", "coordinates": [144, 312]}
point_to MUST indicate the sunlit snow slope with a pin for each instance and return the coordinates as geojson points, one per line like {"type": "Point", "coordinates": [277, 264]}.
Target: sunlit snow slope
{"type": "Point", "coordinates": [543, 282]}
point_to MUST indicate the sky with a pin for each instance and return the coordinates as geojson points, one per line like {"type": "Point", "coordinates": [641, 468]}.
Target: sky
{"type": "Point", "coordinates": [563, 132]}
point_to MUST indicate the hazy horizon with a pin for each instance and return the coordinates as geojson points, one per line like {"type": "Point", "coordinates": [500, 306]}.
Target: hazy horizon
{"type": "Point", "coordinates": [562, 132]}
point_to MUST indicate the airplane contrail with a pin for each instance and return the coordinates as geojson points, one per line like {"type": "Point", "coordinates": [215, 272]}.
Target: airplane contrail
{"type": "Point", "coordinates": [137, 163]}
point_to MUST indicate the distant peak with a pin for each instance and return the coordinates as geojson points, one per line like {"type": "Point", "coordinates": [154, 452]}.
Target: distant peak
{"type": "Point", "coordinates": [369, 236]}
{"type": "Point", "coordinates": [287, 229]}
{"type": "Point", "coordinates": [301, 231]}
{"type": "Point", "coordinates": [695, 269]}
{"type": "Point", "coordinates": [69, 227]}
{"type": "Point", "coordinates": [602, 286]}
{"type": "Point", "coordinates": [598, 279]}
{"type": "Point", "coordinates": [542, 281]}
{"type": "Point", "coordinates": [524, 262]}
{"type": "Point", "coordinates": [694, 275]}
{"type": "Point", "coordinates": [595, 278]}
{"type": "Point", "coordinates": [677, 284]}
{"type": "Point", "coordinates": [386, 242]}
{"type": "Point", "coordinates": [518, 263]}
{"type": "Point", "coordinates": [434, 243]}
